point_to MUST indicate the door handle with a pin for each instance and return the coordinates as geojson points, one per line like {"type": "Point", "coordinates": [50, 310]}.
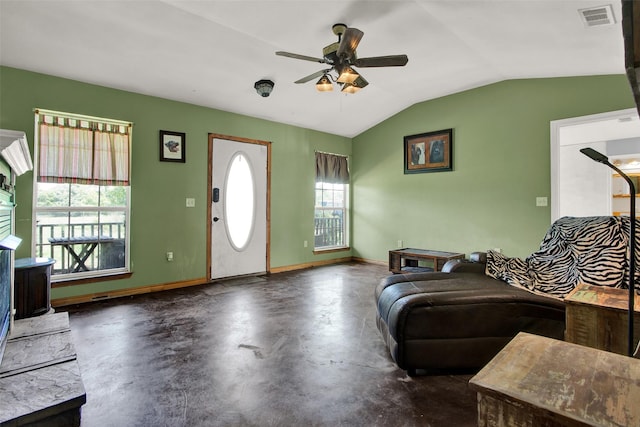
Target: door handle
{"type": "Point", "coordinates": [216, 219]}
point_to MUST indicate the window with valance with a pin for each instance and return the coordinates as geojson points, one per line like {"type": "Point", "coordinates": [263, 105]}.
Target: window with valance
{"type": "Point", "coordinates": [331, 202]}
{"type": "Point", "coordinates": [82, 194]}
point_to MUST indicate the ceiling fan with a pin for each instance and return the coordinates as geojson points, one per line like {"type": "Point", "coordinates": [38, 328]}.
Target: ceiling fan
{"type": "Point", "coordinates": [341, 56]}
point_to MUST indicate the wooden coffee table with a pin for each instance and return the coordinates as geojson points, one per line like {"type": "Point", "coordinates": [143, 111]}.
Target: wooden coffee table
{"type": "Point", "coordinates": [412, 258]}
{"type": "Point", "coordinates": [539, 381]}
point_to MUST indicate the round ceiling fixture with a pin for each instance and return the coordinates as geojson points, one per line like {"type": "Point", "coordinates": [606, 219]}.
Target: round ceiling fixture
{"type": "Point", "coordinates": [264, 87]}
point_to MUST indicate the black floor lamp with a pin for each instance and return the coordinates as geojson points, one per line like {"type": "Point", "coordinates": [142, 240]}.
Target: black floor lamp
{"type": "Point", "coordinates": [601, 158]}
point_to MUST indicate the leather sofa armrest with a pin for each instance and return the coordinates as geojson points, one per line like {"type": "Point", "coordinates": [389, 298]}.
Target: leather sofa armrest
{"type": "Point", "coordinates": [475, 264]}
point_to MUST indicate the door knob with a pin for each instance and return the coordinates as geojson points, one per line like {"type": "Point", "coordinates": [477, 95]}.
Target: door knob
{"type": "Point", "coordinates": [216, 219]}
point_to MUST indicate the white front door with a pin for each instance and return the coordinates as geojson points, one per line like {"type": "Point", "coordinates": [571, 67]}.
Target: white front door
{"type": "Point", "coordinates": [238, 208]}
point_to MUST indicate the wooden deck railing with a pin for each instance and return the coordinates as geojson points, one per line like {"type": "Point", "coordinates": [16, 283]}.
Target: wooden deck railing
{"type": "Point", "coordinates": [328, 232]}
{"type": "Point", "coordinates": [102, 258]}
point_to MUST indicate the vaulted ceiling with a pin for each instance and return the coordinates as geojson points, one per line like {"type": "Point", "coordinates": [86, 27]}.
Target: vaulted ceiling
{"type": "Point", "coordinates": [210, 53]}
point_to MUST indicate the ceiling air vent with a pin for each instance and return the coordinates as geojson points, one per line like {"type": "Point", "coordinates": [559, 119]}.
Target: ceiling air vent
{"type": "Point", "coordinates": [597, 16]}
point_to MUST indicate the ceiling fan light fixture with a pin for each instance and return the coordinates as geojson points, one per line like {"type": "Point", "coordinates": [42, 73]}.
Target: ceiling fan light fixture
{"type": "Point", "coordinates": [350, 88]}
{"type": "Point", "coordinates": [263, 87]}
{"type": "Point", "coordinates": [354, 87]}
{"type": "Point", "coordinates": [347, 75]}
{"type": "Point", "coordinates": [324, 84]}
{"type": "Point", "coordinates": [342, 57]}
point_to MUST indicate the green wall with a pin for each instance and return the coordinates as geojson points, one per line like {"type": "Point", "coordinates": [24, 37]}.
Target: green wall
{"type": "Point", "coordinates": [501, 164]}
{"type": "Point", "coordinates": [160, 222]}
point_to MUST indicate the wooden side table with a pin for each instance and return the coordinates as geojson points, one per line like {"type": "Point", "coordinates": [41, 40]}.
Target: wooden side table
{"type": "Point", "coordinates": [412, 257]}
{"type": "Point", "coordinates": [537, 381]}
{"type": "Point", "coordinates": [32, 286]}
{"type": "Point", "coordinates": [597, 316]}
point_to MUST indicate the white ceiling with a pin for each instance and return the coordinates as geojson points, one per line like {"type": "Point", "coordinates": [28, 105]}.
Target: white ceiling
{"type": "Point", "coordinates": [210, 53]}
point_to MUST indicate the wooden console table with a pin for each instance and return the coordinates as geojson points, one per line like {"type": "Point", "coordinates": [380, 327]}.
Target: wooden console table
{"type": "Point", "coordinates": [412, 258]}
{"type": "Point", "coordinates": [538, 381]}
{"type": "Point", "coordinates": [40, 382]}
{"type": "Point", "coordinates": [597, 316]}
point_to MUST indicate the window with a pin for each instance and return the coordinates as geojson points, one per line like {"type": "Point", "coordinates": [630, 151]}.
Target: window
{"type": "Point", "coordinates": [81, 194]}
{"type": "Point", "coordinates": [330, 215]}
{"type": "Point", "coordinates": [239, 202]}
{"type": "Point", "coordinates": [331, 202]}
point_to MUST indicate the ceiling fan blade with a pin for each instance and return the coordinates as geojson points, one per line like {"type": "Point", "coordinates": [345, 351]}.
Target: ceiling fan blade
{"type": "Point", "coordinates": [303, 57]}
{"type": "Point", "coordinates": [312, 76]}
{"type": "Point", "coordinates": [350, 40]}
{"type": "Point", "coordinates": [382, 61]}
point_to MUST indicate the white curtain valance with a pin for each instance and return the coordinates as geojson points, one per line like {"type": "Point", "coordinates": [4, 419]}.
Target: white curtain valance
{"type": "Point", "coordinates": [83, 150]}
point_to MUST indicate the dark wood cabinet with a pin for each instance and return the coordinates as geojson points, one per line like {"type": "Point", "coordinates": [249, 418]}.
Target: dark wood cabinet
{"type": "Point", "coordinates": [32, 296]}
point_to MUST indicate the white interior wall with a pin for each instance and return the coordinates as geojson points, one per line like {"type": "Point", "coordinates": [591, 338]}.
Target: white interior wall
{"type": "Point", "coordinates": [584, 184]}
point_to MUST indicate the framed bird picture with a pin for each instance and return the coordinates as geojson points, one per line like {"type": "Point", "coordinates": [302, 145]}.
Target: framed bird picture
{"type": "Point", "coordinates": [172, 146]}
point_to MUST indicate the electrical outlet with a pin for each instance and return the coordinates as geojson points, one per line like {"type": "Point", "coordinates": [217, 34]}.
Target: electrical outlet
{"type": "Point", "coordinates": [541, 201]}
{"type": "Point", "coordinates": [169, 256]}
{"type": "Point", "coordinates": [305, 244]}
{"type": "Point", "coordinates": [399, 243]}
{"type": "Point", "coordinates": [191, 202]}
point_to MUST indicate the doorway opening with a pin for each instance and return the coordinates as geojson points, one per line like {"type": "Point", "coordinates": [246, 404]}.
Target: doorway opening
{"type": "Point", "coordinates": [580, 186]}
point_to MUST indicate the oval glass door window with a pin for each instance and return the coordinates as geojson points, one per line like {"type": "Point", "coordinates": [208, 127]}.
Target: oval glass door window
{"type": "Point", "coordinates": [239, 201]}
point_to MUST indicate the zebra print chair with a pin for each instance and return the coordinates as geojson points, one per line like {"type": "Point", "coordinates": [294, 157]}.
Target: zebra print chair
{"type": "Point", "coordinates": [463, 316]}
{"type": "Point", "coordinates": [591, 250]}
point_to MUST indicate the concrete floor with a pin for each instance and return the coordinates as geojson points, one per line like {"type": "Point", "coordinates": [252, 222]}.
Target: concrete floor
{"type": "Point", "coordinates": [291, 349]}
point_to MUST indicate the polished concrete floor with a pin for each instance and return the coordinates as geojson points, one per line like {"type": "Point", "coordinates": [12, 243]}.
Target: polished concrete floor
{"type": "Point", "coordinates": [290, 349]}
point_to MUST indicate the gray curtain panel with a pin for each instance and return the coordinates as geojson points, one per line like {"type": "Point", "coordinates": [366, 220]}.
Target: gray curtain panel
{"type": "Point", "coordinates": [332, 168]}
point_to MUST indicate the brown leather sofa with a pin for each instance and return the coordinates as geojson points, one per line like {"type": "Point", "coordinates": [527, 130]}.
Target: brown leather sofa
{"type": "Point", "coordinates": [458, 318]}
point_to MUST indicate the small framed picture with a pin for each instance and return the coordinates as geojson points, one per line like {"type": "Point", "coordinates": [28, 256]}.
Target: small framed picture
{"type": "Point", "coordinates": [172, 146]}
{"type": "Point", "coordinates": [429, 152]}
